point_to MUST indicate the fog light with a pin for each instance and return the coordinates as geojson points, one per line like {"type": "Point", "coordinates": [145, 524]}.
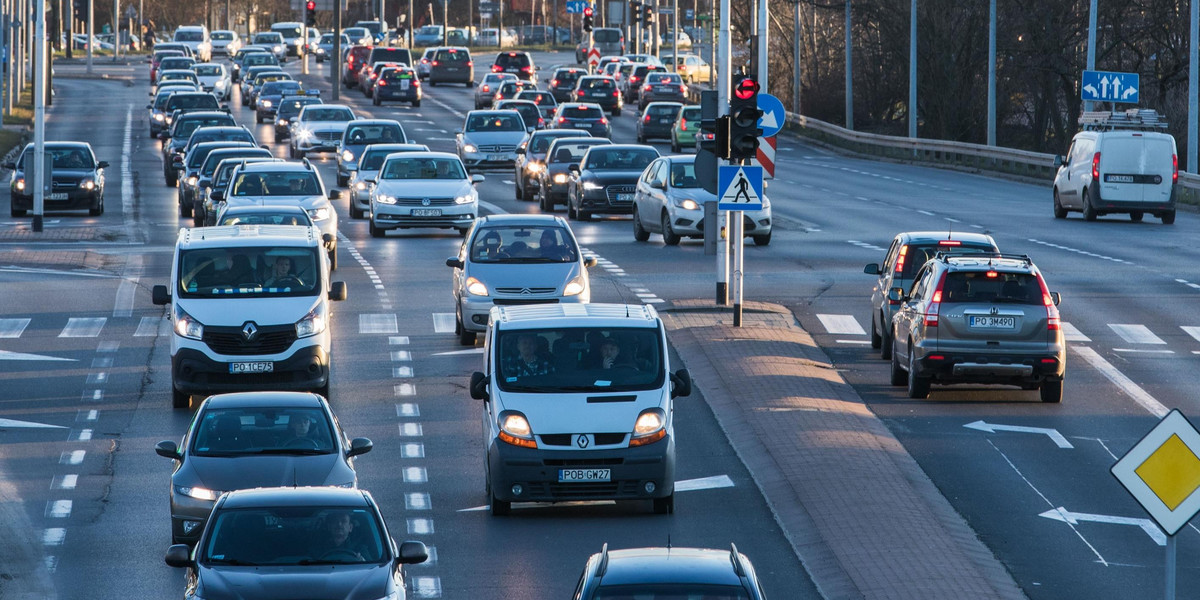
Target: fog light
{"type": "Point", "coordinates": [517, 489]}
{"type": "Point", "coordinates": [190, 526]}
{"type": "Point", "coordinates": [650, 487]}
{"type": "Point", "coordinates": [479, 319]}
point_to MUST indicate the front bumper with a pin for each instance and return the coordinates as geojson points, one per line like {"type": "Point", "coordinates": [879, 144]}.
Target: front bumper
{"type": "Point", "coordinates": [475, 309]}
{"type": "Point", "coordinates": [537, 472]}
{"type": "Point", "coordinates": [691, 222]}
{"type": "Point", "coordinates": [315, 144]}
{"type": "Point", "coordinates": [597, 201]}
{"type": "Point", "coordinates": [193, 372]}
{"type": "Point", "coordinates": [391, 216]}
{"type": "Point", "coordinates": [491, 160]}
{"type": "Point", "coordinates": [76, 200]}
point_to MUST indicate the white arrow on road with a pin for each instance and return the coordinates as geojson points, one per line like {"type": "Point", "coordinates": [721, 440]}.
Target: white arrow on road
{"type": "Point", "coordinates": [6, 355]}
{"type": "Point", "coordinates": [993, 428]}
{"type": "Point", "coordinates": [768, 121]}
{"type": "Point", "coordinates": [1091, 89]}
{"type": "Point", "coordinates": [1066, 516]}
{"type": "Point", "coordinates": [15, 424]}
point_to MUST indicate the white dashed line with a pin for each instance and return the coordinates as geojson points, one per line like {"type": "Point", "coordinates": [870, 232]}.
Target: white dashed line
{"type": "Point", "coordinates": [402, 372]}
{"type": "Point", "coordinates": [401, 356]}
{"type": "Point", "coordinates": [54, 536]}
{"type": "Point", "coordinates": [72, 457]}
{"type": "Point", "coordinates": [412, 450]}
{"type": "Point", "coordinates": [405, 389]}
{"type": "Point", "coordinates": [58, 509]}
{"type": "Point", "coordinates": [64, 482]}
{"type": "Point", "coordinates": [415, 475]}
{"type": "Point", "coordinates": [410, 430]}
{"type": "Point", "coordinates": [420, 526]}
{"type": "Point", "coordinates": [443, 322]}
{"type": "Point", "coordinates": [408, 409]}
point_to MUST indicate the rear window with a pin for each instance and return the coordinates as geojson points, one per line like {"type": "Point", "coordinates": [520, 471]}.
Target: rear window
{"type": "Point", "coordinates": [664, 111]}
{"type": "Point", "coordinates": [567, 76]}
{"type": "Point", "coordinates": [582, 112]}
{"type": "Point", "coordinates": [453, 56]}
{"type": "Point", "coordinates": [691, 112]}
{"type": "Point", "coordinates": [620, 159]}
{"type": "Point", "coordinates": [564, 153]}
{"type": "Point", "coordinates": [596, 84]}
{"type": "Point", "coordinates": [606, 36]}
{"type": "Point", "coordinates": [189, 36]}
{"type": "Point", "coordinates": [400, 55]}
{"type": "Point", "coordinates": [991, 287]}
{"type": "Point", "coordinates": [191, 101]}
{"type": "Point", "coordinates": [540, 143]}
{"type": "Point", "coordinates": [920, 254]}
{"type": "Point", "coordinates": [512, 60]}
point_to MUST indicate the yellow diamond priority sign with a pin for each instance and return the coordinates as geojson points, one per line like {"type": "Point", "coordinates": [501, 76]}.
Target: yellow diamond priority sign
{"type": "Point", "coordinates": [1162, 471]}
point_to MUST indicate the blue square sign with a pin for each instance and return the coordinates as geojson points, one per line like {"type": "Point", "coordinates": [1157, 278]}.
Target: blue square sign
{"type": "Point", "coordinates": [739, 188]}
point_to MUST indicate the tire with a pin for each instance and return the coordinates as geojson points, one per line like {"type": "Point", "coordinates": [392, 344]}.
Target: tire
{"type": "Point", "coordinates": [762, 240]}
{"type": "Point", "coordinates": [333, 259]}
{"type": "Point", "coordinates": [898, 376]}
{"type": "Point", "coordinates": [1168, 218]}
{"type": "Point", "coordinates": [675, 148]}
{"type": "Point", "coordinates": [639, 233]}
{"type": "Point", "coordinates": [520, 189]}
{"type": "Point", "coordinates": [1051, 391]}
{"type": "Point", "coordinates": [355, 213]}
{"type": "Point", "coordinates": [172, 179]}
{"type": "Point", "coordinates": [375, 101]}
{"type": "Point", "coordinates": [665, 505]}
{"type": "Point", "coordinates": [16, 212]}
{"type": "Point", "coordinates": [98, 209]}
{"type": "Point", "coordinates": [180, 399]}
{"type": "Point", "coordinates": [375, 231]}
{"type": "Point", "coordinates": [466, 337]}
{"type": "Point", "coordinates": [670, 238]}
{"type": "Point", "coordinates": [876, 339]}
{"type": "Point", "coordinates": [416, 104]}
{"type": "Point", "coordinates": [185, 210]}
{"type": "Point", "coordinates": [1136, 216]}
{"type": "Point", "coordinates": [544, 202]}
{"type": "Point", "coordinates": [501, 508]}
{"type": "Point", "coordinates": [1059, 211]}
{"type": "Point", "coordinates": [918, 387]}
{"type": "Point", "coordinates": [1089, 213]}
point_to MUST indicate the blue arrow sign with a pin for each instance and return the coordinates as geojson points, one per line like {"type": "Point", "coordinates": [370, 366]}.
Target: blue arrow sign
{"type": "Point", "coordinates": [576, 6]}
{"type": "Point", "coordinates": [774, 116]}
{"type": "Point", "coordinates": [739, 188]}
{"type": "Point", "coordinates": [1106, 86]}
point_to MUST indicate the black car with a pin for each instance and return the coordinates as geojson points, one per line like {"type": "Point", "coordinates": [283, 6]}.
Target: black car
{"type": "Point", "coordinates": [508, 90]}
{"type": "Point", "coordinates": [271, 95]}
{"type": "Point", "coordinates": [188, 192]}
{"type": "Point", "coordinates": [531, 159]}
{"type": "Point", "coordinates": [397, 84]}
{"type": "Point", "coordinates": [204, 175]}
{"type": "Point", "coordinates": [293, 542]}
{"type": "Point", "coordinates": [517, 63]}
{"type": "Point", "coordinates": [179, 133]}
{"type": "Point", "coordinates": [255, 439]}
{"type": "Point", "coordinates": [77, 181]}
{"type": "Point", "coordinates": [601, 90]}
{"type": "Point", "coordinates": [289, 108]}
{"type": "Point", "coordinates": [632, 85]}
{"type": "Point", "coordinates": [530, 113]}
{"type": "Point", "coordinates": [605, 181]}
{"type": "Point", "coordinates": [560, 156]}
{"type": "Point", "coordinates": [669, 573]}
{"type": "Point", "coordinates": [662, 87]}
{"type": "Point", "coordinates": [183, 102]}
{"type": "Point", "coordinates": [581, 117]}
{"type": "Point", "coordinates": [563, 83]}
{"type": "Point", "coordinates": [657, 120]}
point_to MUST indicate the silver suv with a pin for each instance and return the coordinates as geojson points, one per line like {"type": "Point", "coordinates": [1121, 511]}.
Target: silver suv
{"type": "Point", "coordinates": [910, 250]}
{"type": "Point", "coordinates": [978, 319]}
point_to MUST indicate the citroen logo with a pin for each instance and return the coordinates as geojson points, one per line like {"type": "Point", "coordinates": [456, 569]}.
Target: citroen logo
{"type": "Point", "coordinates": [582, 441]}
{"type": "Point", "coordinates": [249, 330]}
{"type": "Point", "coordinates": [424, 201]}
{"type": "Point", "coordinates": [526, 291]}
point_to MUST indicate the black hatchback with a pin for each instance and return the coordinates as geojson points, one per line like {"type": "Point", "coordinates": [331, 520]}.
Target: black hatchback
{"type": "Point", "coordinates": [563, 83]}
{"type": "Point", "coordinates": [517, 63]}
{"type": "Point", "coordinates": [599, 89]}
{"type": "Point", "coordinates": [669, 573]}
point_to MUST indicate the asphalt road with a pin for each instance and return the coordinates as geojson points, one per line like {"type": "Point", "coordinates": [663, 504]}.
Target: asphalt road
{"type": "Point", "coordinates": [105, 381]}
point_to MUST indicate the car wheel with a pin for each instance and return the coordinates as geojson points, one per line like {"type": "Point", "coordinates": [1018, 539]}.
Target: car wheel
{"type": "Point", "coordinates": [180, 399]}
{"type": "Point", "coordinates": [1051, 391]}
{"type": "Point", "coordinates": [885, 346]}
{"type": "Point", "coordinates": [97, 210]}
{"type": "Point", "coordinates": [544, 200]}
{"type": "Point", "coordinates": [500, 508]}
{"type": "Point", "coordinates": [876, 339]}
{"type": "Point", "coordinates": [197, 214]}
{"type": "Point", "coordinates": [665, 505]}
{"type": "Point", "coordinates": [898, 376]}
{"type": "Point", "coordinates": [355, 213]}
{"type": "Point", "coordinates": [333, 259]}
{"type": "Point", "coordinates": [172, 179]}
{"type": "Point", "coordinates": [762, 240]}
{"type": "Point", "coordinates": [1059, 211]}
{"type": "Point", "coordinates": [520, 188]}
{"type": "Point", "coordinates": [918, 387]}
{"type": "Point", "coordinates": [1089, 213]}
{"type": "Point", "coordinates": [185, 210]}
{"type": "Point", "coordinates": [583, 215]}
{"type": "Point", "coordinates": [670, 238]}
{"type": "Point", "coordinates": [375, 101]}
{"type": "Point", "coordinates": [1136, 216]}
{"type": "Point", "coordinates": [466, 337]}
{"type": "Point", "coordinates": [639, 232]}
{"type": "Point", "coordinates": [375, 231]}
{"type": "Point", "coordinates": [416, 104]}
{"type": "Point", "coordinates": [1168, 218]}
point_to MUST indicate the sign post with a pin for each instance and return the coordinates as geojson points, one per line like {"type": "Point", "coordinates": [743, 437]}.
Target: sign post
{"type": "Point", "coordinates": [739, 188]}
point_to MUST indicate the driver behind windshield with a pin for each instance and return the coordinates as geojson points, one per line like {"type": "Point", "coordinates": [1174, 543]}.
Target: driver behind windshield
{"type": "Point", "coordinates": [335, 539]}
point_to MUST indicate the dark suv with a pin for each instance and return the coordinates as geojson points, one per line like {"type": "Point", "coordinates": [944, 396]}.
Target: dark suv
{"type": "Point", "coordinates": [668, 573]}
{"type": "Point", "coordinates": [517, 63]}
{"type": "Point", "coordinates": [452, 65]}
{"type": "Point", "coordinates": [981, 318]}
{"type": "Point", "coordinates": [599, 89]}
{"type": "Point", "coordinates": [563, 83]}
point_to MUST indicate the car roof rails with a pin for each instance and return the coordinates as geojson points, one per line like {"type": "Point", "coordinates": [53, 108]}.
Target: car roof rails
{"type": "Point", "coordinates": [1135, 119]}
{"type": "Point", "coordinates": [989, 257]}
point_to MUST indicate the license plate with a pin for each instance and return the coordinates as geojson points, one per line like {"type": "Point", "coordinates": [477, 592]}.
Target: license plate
{"type": "Point", "coordinates": [993, 322]}
{"type": "Point", "coordinates": [497, 157]}
{"type": "Point", "coordinates": [665, 121]}
{"type": "Point", "coordinates": [57, 196]}
{"type": "Point", "coordinates": [582, 126]}
{"type": "Point", "coordinates": [404, 84]}
{"type": "Point", "coordinates": [624, 197]}
{"type": "Point", "coordinates": [427, 212]}
{"type": "Point", "coordinates": [583, 475]}
{"type": "Point", "coordinates": [1119, 178]}
{"type": "Point", "coordinates": [251, 367]}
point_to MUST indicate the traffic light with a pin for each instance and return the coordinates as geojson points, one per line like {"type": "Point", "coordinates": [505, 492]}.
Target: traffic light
{"type": "Point", "coordinates": [310, 13]}
{"type": "Point", "coordinates": [647, 14]}
{"type": "Point", "coordinates": [635, 9]}
{"type": "Point", "coordinates": [743, 120]}
{"type": "Point", "coordinates": [588, 14]}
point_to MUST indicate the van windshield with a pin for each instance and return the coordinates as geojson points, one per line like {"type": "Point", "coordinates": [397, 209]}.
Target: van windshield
{"type": "Point", "coordinates": [249, 271]}
{"type": "Point", "coordinates": [579, 359]}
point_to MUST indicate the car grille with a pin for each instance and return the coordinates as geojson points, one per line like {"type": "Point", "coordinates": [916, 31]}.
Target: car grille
{"type": "Point", "coordinates": [517, 290]}
{"type": "Point", "coordinates": [498, 148]}
{"type": "Point", "coordinates": [613, 190]}
{"type": "Point", "coordinates": [329, 136]}
{"type": "Point", "coordinates": [271, 339]}
{"type": "Point", "coordinates": [421, 201]}
{"type": "Point", "coordinates": [566, 491]}
{"type": "Point", "coordinates": [564, 439]}
{"type": "Point", "coordinates": [66, 184]}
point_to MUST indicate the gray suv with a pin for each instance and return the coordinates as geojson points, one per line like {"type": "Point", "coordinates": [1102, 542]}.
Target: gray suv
{"type": "Point", "coordinates": [984, 318]}
{"type": "Point", "coordinates": [910, 250]}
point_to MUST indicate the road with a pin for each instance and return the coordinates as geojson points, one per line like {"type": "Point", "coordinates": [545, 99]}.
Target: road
{"type": "Point", "coordinates": [82, 348]}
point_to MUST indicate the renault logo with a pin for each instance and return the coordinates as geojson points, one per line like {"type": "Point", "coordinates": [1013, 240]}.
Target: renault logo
{"type": "Point", "coordinates": [582, 441]}
{"type": "Point", "coordinates": [249, 330]}
{"type": "Point", "coordinates": [424, 201]}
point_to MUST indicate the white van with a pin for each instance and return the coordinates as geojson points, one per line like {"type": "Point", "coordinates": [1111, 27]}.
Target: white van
{"type": "Point", "coordinates": [249, 310]}
{"type": "Point", "coordinates": [578, 403]}
{"type": "Point", "coordinates": [196, 37]}
{"type": "Point", "coordinates": [1119, 163]}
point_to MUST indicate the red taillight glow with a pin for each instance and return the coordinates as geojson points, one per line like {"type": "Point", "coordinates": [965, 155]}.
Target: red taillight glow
{"type": "Point", "coordinates": [949, 243]}
{"type": "Point", "coordinates": [683, 124]}
{"type": "Point", "coordinates": [992, 274]}
{"type": "Point", "coordinates": [526, 69]}
{"type": "Point", "coordinates": [935, 357]}
{"type": "Point", "coordinates": [1052, 318]}
{"type": "Point", "coordinates": [1096, 167]}
{"type": "Point", "coordinates": [900, 259]}
{"type": "Point", "coordinates": [935, 304]}
{"type": "Point", "coordinates": [1174, 168]}
{"type": "Point", "coordinates": [616, 93]}
{"type": "Point", "coordinates": [382, 83]}
{"type": "Point", "coordinates": [486, 88]}
{"type": "Point", "coordinates": [553, 83]}
{"type": "Point", "coordinates": [683, 89]}
{"type": "Point", "coordinates": [648, 88]}
{"type": "Point", "coordinates": [496, 68]}
{"type": "Point", "coordinates": [470, 63]}
{"type": "Point", "coordinates": [562, 119]}
{"type": "Point", "coordinates": [435, 63]}
{"type": "Point", "coordinates": [647, 119]}
{"type": "Point", "coordinates": [603, 121]}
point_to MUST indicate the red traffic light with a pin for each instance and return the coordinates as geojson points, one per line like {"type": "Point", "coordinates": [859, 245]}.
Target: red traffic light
{"type": "Point", "coordinates": [588, 11]}
{"type": "Point", "coordinates": [746, 89]}
{"type": "Point", "coordinates": [312, 5]}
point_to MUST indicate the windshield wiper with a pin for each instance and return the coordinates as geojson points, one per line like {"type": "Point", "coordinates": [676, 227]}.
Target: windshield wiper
{"type": "Point", "coordinates": [304, 451]}
{"type": "Point", "coordinates": [232, 562]}
{"type": "Point", "coordinates": [315, 561]}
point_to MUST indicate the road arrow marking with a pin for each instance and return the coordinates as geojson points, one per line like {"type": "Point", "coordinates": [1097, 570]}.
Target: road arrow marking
{"type": "Point", "coordinates": [1116, 86]}
{"type": "Point", "coordinates": [15, 424]}
{"type": "Point", "coordinates": [993, 428]}
{"type": "Point", "coordinates": [1066, 516]}
{"type": "Point", "coordinates": [6, 355]}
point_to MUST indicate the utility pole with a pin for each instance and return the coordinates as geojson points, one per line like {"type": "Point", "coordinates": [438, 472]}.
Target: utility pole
{"type": "Point", "coordinates": [991, 101]}
{"type": "Point", "coordinates": [335, 63]}
{"type": "Point", "coordinates": [116, 27]}
{"type": "Point", "coordinates": [796, 57]}
{"type": "Point", "coordinates": [91, 32]}
{"type": "Point", "coordinates": [68, 15]}
{"type": "Point", "coordinates": [723, 79]}
{"type": "Point", "coordinates": [912, 70]}
{"type": "Point", "coordinates": [39, 117]}
{"type": "Point", "coordinates": [1193, 84]}
{"type": "Point", "coordinates": [849, 71]}
{"type": "Point", "coordinates": [1091, 51]}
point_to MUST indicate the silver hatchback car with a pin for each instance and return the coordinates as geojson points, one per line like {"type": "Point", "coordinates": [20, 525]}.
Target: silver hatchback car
{"type": "Point", "coordinates": [516, 259]}
{"type": "Point", "coordinates": [670, 201]}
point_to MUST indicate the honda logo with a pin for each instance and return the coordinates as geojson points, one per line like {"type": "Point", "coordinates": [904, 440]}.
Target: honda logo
{"type": "Point", "coordinates": [995, 311]}
{"type": "Point", "coordinates": [249, 330]}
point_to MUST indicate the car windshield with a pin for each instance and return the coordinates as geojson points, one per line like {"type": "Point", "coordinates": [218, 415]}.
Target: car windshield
{"type": "Point", "coordinates": [606, 36]}
{"type": "Point", "coordinates": [64, 158]}
{"type": "Point", "coordinates": [582, 112]}
{"type": "Point", "coordinates": [222, 35]}
{"type": "Point", "coordinates": [249, 271]}
{"type": "Point", "coordinates": [267, 218]}
{"type": "Point", "coordinates": [176, 62]}
{"type": "Point", "coordinates": [568, 76]}
{"type": "Point", "coordinates": [208, 70]}
{"type": "Point", "coordinates": [217, 155]}
{"type": "Point", "coordinates": [263, 430]}
{"type": "Point", "coordinates": [619, 159]}
{"type": "Point", "coordinates": [373, 159]}
{"type": "Point", "coordinates": [294, 536]}
{"type": "Point", "coordinates": [683, 175]}
{"type": "Point", "coordinates": [673, 591]}
{"type": "Point", "coordinates": [191, 101]}
{"type": "Point", "coordinates": [597, 83]}
{"type": "Point", "coordinates": [264, 78]}
{"type": "Point", "coordinates": [220, 135]}
{"type": "Point", "coordinates": [918, 254]}
{"type": "Point", "coordinates": [528, 244]}
{"type": "Point", "coordinates": [189, 36]}
{"type": "Point", "coordinates": [280, 183]}
{"type": "Point", "coordinates": [992, 287]}
{"type": "Point", "coordinates": [185, 127]}
{"type": "Point", "coordinates": [225, 171]}
{"type": "Point", "coordinates": [374, 133]}
{"type": "Point", "coordinates": [691, 114]}
{"type": "Point", "coordinates": [495, 122]}
{"type": "Point", "coordinates": [423, 168]}
{"type": "Point", "coordinates": [291, 107]}
{"type": "Point", "coordinates": [259, 58]}
{"type": "Point", "coordinates": [287, 32]}
{"type": "Point", "coordinates": [540, 143]}
{"type": "Point", "coordinates": [328, 114]}
{"type": "Point", "coordinates": [268, 38]}
{"type": "Point", "coordinates": [582, 359]}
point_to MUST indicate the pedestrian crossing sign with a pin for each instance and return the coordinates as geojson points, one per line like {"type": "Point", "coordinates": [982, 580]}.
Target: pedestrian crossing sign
{"type": "Point", "coordinates": [739, 188]}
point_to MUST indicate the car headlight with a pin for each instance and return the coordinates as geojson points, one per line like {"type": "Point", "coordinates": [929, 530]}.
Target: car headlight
{"type": "Point", "coordinates": [534, 167]}
{"type": "Point", "coordinates": [470, 148]}
{"type": "Point", "coordinates": [264, 103]}
{"type": "Point", "coordinates": [587, 185]}
{"type": "Point", "coordinates": [347, 155]}
{"type": "Point", "coordinates": [320, 214]}
{"type": "Point", "coordinates": [515, 430]}
{"type": "Point", "coordinates": [192, 180]}
{"type": "Point", "coordinates": [304, 134]}
{"type": "Point", "coordinates": [20, 185]}
{"type": "Point", "coordinates": [465, 198]}
{"type": "Point", "coordinates": [221, 83]}
{"type": "Point", "coordinates": [312, 323]}
{"type": "Point", "coordinates": [186, 326]}
{"type": "Point", "coordinates": [766, 202]}
{"type": "Point", "coordinates": [560, 178]}
{"type": "Point", "coordinates": [360, 185]}
{"type": "Point", "coordinates": [159, 117]}
{"type": "Point", "coordinates": [283, 122]}
{"type": "Point", "coordinates": [686, 204]}
{"type": "Point", "coordinates": [278, 48]}
{"type": "Point", "coordinates": [475, 287]}
{"type": "Point", "coordinates": [649, 427]}
{"type": "Point", "coordinates": [198, 493]}
{"type": "Point", "coordinates": [88, 184]}
{"type": "Point", "coordinates": [575, 287]}
{"type": "Point", "coordinates": [384, 199]}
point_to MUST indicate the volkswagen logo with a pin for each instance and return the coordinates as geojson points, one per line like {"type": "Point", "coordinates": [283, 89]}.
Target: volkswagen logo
{"type": "Point", "coordinates": [424, 201]}
{"type": "Point", "coordinates": [582, 441]}
{"type": "Point", "coordinates": [249, 330]}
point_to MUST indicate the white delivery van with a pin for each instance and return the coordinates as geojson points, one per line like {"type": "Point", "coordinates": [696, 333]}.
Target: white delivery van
{"type": "Point", "coordinates": [578, 405]}
{"type": "Point", "coordinates": [249, 310]}
{"type": "Point", "coordinates": [1121, 162]}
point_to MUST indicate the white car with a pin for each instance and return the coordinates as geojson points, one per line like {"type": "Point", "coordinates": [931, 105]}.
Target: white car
{"type": "Point", "coordinates": [214, 79]}
{"type": "Point", "coordinates": [319, 128]}
{"type": "Point", "coordinates": [225, 42]}
{"type": "Point", "coordinates": [362, 179]}
{"type": "Point", "coordinates": [423, 189]}
{"type": "Point", "coordinates": [196, 38]}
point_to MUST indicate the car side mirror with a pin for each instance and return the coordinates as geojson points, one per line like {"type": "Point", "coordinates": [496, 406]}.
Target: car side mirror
{"type": "Point", "coordinates": [658, 185]}
{"type": "Point", "coordinates": [477, 178]}
{"type": "Point", "coordinates": [1055, 297]}
{"type": "Point", "coordinates": [102, 164]}
{"type": "Point", "coordinates": [217, 195]}
{"type": "Point", "coordinates": [454, 262]}
{"type": "Point", "coordinates": [1058, 160]}
{"type": "Point", "coordinates": [458, 132]}
{"type": "Point", "coordinates": [327, 238]}
{"type": "Point", "coordinates": [412, 553]}
{"type": "Point", "coordinates": [225, 108]}
{"type": "Point", "coordinates": [294, 120]}
{"type": "Point", "coordinates": [179, 555]}
{"type": "Point", "coordinates": [149, 107]}
{"type": "Point", "coordinates": [165, 135]}
{"type": "Point", "coordinates": [335, 194]}
{"type": "Point", "coordinates": [159, 295]}
{"type": "Point", "coordinates": [521, 150]}
{"type": "Point", "coordinates": [359, 446]}
{"type": "Point", "coordinates": [264, 146]}
{"type": "Point", "coordinates": [338, 291]}
{"type": "Point", "coordinates": [681, 383]}
{"type": "Point", "coordinates": [168, 449]}
{"type": "Point", "coordinates": [896, 294]}
{"type": "Point", "coordinates": [871, 269]}
{"type": "Point", "coordinates": [478, 387]}
{"type": "Point", "coordinates": [369, 181]}
{"type": "Point", "coordinates": [589, 262]}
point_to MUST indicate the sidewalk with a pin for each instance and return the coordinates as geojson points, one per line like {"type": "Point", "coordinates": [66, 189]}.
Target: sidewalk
{"type": "Point", "coordinates": [859, 512]}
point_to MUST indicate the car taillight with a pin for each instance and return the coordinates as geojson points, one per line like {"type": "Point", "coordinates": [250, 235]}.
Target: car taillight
{"type": "Point", "coordinates": [470, 63]}
{"type": "Point", "coordinates": [435, 63]}
{"type": "Point", "coordinates": [949, 243]}
{"type": "Point", "coordinates": [416, 83]}
{"type": "Point", "coordinates": [935, 303]}
{"type": "Point", "coordinates": [553, 83]}
{"type": "Point", "coordinates": [603, 121]}
{"type": "Point", "coordinates": [647, 119]}
{"type": "Point", "coordinates": [1052, 318]}
{"type": "Point", "coordinates": [683, 124]}
{"type": "Point", "coordinates": [496, 68]}
{"type": "Point", "coordinates": [486, 88]}
{"type": "Point", "coordinates": [1096, 167]}
{"type": "Point", "coordinates": [615, 93]}
{"type": "Point", "coordinates": [683, 89]}
{"type": "Point", "coordinates": [648, 88]}
{"type": "Point", "coordinates": [526, 69]}
{"type": "Point", "coordinates": [901, 257]}
{"type": "Point", "coordinates": [382, 82]}
{"type": "Point", "coordinates": [562, 119]}
{"type": "Point", "coordinates": [1174, 168]}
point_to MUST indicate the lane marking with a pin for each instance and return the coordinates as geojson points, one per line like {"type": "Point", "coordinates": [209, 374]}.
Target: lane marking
{"type": "Point", "coordinates": [81, 435]}
{"type": "Point", "coordinates": [152, 327]}
{"type": "Point", "coordinates": [402, 356]}
{"type": "Point", "coordinates": [83, 327]}
{"type": "Point", "coordinates": [415, 475]}
{"type": "Point", "coordinates": [1143, 351]}
{"type": "Point", "coordinates": [1071, 334]}
{"type": "Point", "coordinates": [460, 352]}
{"type": "Point", "coordinates": [443, 322]}
{"type": "Point", "coordinates": [7, 355]}
{"type": "Point", "coordinates": [54, 536]}
{"type": "Point", "coordinates": [1053, 434]}
{"type": "Point", "coordinates": [72, 457]}
{"type": "Point", "coordinates": [130, 274]}
{"type": "Point", "coordinates": [1136, 334]}
{"type": "Point", "coordinates": [1192, 331]}
{"type": "Point", "coordinates": [58, 509]}
{"type": "Point", "coordinates": [841, 324]}
{"type": "Point", "coordinates": [1119, 379]}
{"type": "Point", "coordinates": [1066, 516]}
{"type": "Point", "coordinates": [408, 409]}
{"type": "Point", "coordinates": [868, 342]}
{"type": "Point", "coordinates": [377, 323]}
{"type": "Point", "coordinates": [15, 424]}
{"type": "Point", "coordinates": [64, 482]}
{"type": "Point", "coordinates": [402, 372]}
{"type": "Point", "coordinates": [405, 389]}
{"type": "Point", "coordinates": [398, 340]}
{"type": "Point", "coordinates": [410, 430]}
{"type": "Point", "coordinates": [704, 483]}
{"type": "Point", "coordinates": [427, 587]}
{"type": "Point", "coordinates": [417, 501]}
{"type": "Point", "coordinates": [412, 450]}
{"type": "Point", "coordinates": [13, 328]}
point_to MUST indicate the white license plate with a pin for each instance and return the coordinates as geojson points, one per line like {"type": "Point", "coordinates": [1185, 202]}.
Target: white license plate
{"type": "Point", "coordinates": [251, 367]}
{"type": "Point", "coordinates": [583, 475]}
{"type": "Point", "coordinates": [582, 126]}
{"type": "Point", "coordinates": [665, 121]}
{"type": "Point", "coordinates": [404, 84]}
{"type": "Point", "coordinates": [57, 196]}
{"type": "Point", "coordinates": [1119, 178]}
{"type": "Point", "coordinates": [497, 157]}
{"type": "Point", "coordinates": [624, 197]}
{"type": "Point", "coordinates": [427, 212]}
{"type": "Point", "coordinates": [994, 322]}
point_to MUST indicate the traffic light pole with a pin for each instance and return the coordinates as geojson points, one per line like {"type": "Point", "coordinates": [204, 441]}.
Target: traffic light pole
{"type": "Point", "coordinates": [39, 115]}
{"type": "Point", "coordinates": [335, 62]}
{"type": "Point", "coordinates": [723, 51]}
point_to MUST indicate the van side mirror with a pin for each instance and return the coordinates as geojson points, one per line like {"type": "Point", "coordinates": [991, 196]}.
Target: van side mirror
{"type": "Point", "coordinates": [179, 555]}
{"type": "Point", "coordinates": [478, 387]}
{"type": "Point", "coordinates": [896, 295]}
{"type": "Point", "coordinates": [454, 261]}
{"type": "Point", "coordinates": [159, 295]}
{"type": "Point", "coordinates": [589, 262]}
{"type": "Point", "coordinates": [168, 449]}
{"type": "Point", "coordinates": [165, 135]}
{"type": "Point", "coordinates": [1058, 160]}
{"type": "Point", "coordinates": [359, 446]}
{"type": "Point", "coordinates": [1056, 297]}
{"type": "Point", "coordinates": [871, 269]}
{"type": "Point", "coordinates": [573, 167]}
{"type": "Point", "coordinates": [102, 164]}
{"type": "Point", "coordinates": [327, 238]}
{"type": "Point", "coordinates": [681, 383]}
{"type": "Point", "coordinates": [337, 291]}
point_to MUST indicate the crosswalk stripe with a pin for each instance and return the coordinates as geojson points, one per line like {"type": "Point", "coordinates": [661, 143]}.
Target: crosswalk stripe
{"type": "Point", "coordinates": [841, 324]}
{"type": "Point", "coordinates": [1192, 331]}
{"type": "Point", "coordinates": [1071, 334]}
{"type": "Point", "coordinates": [443, 322]}
{"type": "Point", "coordinates": [1136, 334]}
{"type": "Point", "coordinates": [83, 327]}
{"type": "Point", "coordinates": [152, 327]}
{"type": "Point", "coordinates": [377, 323]}
{"type": "Point", "coordinates": [12, 328]}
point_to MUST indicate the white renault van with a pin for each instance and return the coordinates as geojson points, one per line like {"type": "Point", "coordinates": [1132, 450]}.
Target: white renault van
{"type": "Point", "coordinates": [1120, 162]}
{"type": "Point", "coordinates": [249, 310]}
{"type": "Point", "coordinates": [578, 405]}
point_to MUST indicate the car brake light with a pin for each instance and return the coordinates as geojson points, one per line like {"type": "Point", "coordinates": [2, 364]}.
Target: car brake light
{"type": "Point", "coordinates": [683, 124]}
{"type": "Point", "coordinates": [470, 63]}
{"type": "Point", "coordinates": [935, 303]}
{"type": "Point", "coordinates": [435, 63]}
{"type": "Point", "coordinates": [949, 243]}
{"type": "Point", "coordinates": [562, 119]}
{"type": "Point", "coordinates": [416, 83]}
{"type": "Point", "coordinates": [553, 83]}
{"type": "Point", "coordinates": [615, 93]}
{"type": "Point", "coordinates": [1096, 167]}
{"type": "Point", "coordinates": [1052, 318]}
{"type": "Point", "coordinates": [486, 88]}
{"type": "Point", "coordinates": [496, 68]}
{"type": "Point", "coordinates": [683, 89]}
{"type": "Point", "coordinates": [382, 82]}
{"type": "Point", "coordinates": [526, 69]}
{"type": "Point", "coordinates": [647, 119]}
{"type": "Point", "coordinates": [1174, 168]}
{"type": "Point", "coordinates": [992, 274]}
{"type": "Point", "coordinates": [603, 121]}
{"type": "Point", "coordinates": [901, 257]}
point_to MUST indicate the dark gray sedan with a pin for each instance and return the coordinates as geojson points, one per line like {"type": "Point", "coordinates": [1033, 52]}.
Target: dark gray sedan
{"type": "Point", "coordinates": [255, 439]}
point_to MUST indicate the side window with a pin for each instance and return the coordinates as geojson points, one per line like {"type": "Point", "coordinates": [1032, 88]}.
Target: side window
{"type": "Point", "coordinates": [660, 174]}
{"type": "Point", "coordinates": [919, 284]}
{"type": "Point", "coordinates": [889, 262]}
